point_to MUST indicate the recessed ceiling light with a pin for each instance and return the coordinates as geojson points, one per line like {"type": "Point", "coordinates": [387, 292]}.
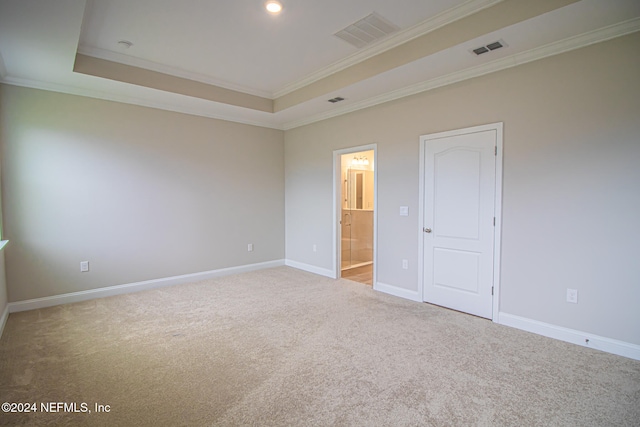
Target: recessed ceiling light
{"type": "Point", "coordinates": [273, 6]}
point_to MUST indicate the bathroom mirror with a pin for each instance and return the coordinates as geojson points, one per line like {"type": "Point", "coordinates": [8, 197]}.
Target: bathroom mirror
{"type": "Point", "coordinates": [359, 189]}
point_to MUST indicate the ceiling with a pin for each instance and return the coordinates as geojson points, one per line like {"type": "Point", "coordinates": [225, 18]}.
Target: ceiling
{"type": "Point", "coordinates": [232, 60]}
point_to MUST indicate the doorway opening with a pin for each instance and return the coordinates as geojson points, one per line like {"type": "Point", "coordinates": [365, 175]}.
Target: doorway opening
{"type": "Point", "coordinates": [357, 212]}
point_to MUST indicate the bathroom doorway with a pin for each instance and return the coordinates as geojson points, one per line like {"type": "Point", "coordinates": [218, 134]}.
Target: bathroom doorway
{"type": "Point", "coordinates": [357, 215]}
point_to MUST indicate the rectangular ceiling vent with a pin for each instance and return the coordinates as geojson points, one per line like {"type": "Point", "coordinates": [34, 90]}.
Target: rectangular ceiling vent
{"type": "Point", "coordinates": [336, 99]}
{"type": "Point", "coordinates": [367, 30]}
{"type": "Point", "coordinates": [489, 47]}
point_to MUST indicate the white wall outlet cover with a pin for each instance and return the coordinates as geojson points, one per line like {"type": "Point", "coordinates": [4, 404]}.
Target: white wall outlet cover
{"type": "Point", "coordinates": [572, 296]}
{"type": "Point", "coordinates": [405, 264]}
{"type": "Point", "coordinates": [84, 266]}
{"type": "Point", "coordinates": [250, 247]}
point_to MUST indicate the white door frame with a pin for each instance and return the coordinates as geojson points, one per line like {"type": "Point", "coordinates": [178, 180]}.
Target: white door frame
{"type": "Point", "coordinates": [337, 207]}
{"type": "Point", "coordinates": [497, 240]}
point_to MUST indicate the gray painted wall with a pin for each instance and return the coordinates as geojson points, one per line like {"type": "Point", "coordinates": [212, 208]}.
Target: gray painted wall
{"type": "Point", "coordinates": [145, 194]}
{"type": "Point", "coordinates": [140, 193]}
{"type": "Point", "coordinates": [571, 183]}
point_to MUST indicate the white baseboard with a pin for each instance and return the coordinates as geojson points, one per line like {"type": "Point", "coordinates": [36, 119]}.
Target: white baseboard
{"type": "Point", "coordinates": [3, 318]}
{"type": "Point", "coordinates": [310, 268]}
{"type": "Point", "coordinates": [584, 339]}
{"type": "Point", "coordinates": [135, 287]}
{"type": "Point", "coordinates": [397, 291]}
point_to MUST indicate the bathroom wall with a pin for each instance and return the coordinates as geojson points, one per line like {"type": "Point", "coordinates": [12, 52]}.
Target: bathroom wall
{"type": "Point", "coordinates": [361, 242]}
{"type": "Point", "coordinates": [357, 224]}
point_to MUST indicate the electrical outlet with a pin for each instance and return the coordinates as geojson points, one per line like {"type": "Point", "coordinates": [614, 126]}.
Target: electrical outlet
{"type": "Point", "coordinates": [405, 264]}
{"type": "Point", "coordinates": [84, 266]}
{"type": "Point", "coordinates": [250, 247]}
{"type": "Point", "coordinates": [315, 248]}
{"type": "Point", "coordinates": [572, 296]}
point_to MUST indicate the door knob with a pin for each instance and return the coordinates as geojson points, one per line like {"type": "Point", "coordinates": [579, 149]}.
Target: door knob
{"type": "Point", "coordinates": [426, 230]}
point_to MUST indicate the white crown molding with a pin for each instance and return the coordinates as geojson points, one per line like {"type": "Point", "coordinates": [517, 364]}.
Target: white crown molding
{"type": "Point", "coordinates": [572, 43]}
{"type": "Point", "coordinates": [120, 58]}
{"type": "Point", "coordinates": [551, 49]}
{"type": "Point", "coordinates": [438, 21]}
{"type": "Point", "coordinates": [127, 99]}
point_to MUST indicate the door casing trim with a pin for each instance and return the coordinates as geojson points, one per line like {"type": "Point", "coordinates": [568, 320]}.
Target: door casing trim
{"type": "Point", "coordinates": [497, 230]}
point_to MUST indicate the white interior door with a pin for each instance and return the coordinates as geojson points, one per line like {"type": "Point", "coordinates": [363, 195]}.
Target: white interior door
{"type": "Point", "coordinates": [459, 220]}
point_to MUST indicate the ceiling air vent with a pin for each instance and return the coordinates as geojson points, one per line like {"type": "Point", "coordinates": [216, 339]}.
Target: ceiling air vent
{"type": "Point", "coordinates": [488, 48]}
{"type": "Point", "coordinates": [480, 50]}
{"type": "Point", "coordinates": [367, 30]}
{"type": "Point", "coordinates": [336, 99]}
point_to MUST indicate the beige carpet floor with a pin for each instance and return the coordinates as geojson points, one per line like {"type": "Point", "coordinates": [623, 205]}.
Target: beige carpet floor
{"type": "Point", "coordinates": [283, 347]}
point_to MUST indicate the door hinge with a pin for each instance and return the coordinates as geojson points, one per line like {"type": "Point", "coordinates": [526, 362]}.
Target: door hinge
{"type": "Point", "coordinates": [494, 221]}
{"type": "Point", "coordinates": [492, 291]}
{"type": "Point", "coordinates": [495, 151]}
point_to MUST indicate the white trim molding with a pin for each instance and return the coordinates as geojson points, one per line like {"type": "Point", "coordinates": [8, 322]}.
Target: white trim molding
{"type": "Point", "coordinates": [310, 268]}
{"type": "Point", "coordinates": [54, 300]}
{"type": "Point", "coordinates": [177, 107]}
{"type": "Point", "coordinates": [398, 291]}
{"type": "Point", "coordinates": [444, 18]}
{"type": "Point", "coordinates": [584, 339]}
{"type": "Point", "coordinates": [273, 121]}
{"type": "Point", "coordinates": [3, 318]}
{"type": "Point", "coordinates": [120, 58]}
{"type": "Point", "coordinates": [551, 49]}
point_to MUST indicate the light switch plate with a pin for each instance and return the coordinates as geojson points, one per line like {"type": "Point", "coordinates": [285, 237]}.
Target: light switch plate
{"type": "Point", "coordinates": [404, 210]}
